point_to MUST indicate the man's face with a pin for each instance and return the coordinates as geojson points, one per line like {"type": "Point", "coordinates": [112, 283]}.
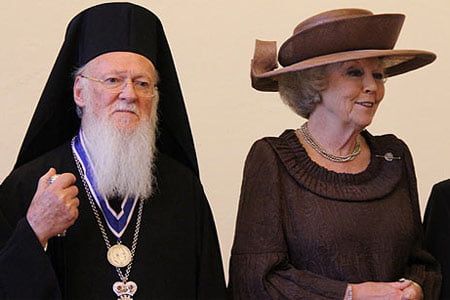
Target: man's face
{"type": "Point", "coordinates": [97, 93]}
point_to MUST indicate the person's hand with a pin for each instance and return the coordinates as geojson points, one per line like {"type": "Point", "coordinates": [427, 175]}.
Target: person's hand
{"type": "Point", "coordinates": [412, 292]}
{"type": "Point", "coordinates": [54, 207]}
{"type": "Point", "coordinates": [380, 290]}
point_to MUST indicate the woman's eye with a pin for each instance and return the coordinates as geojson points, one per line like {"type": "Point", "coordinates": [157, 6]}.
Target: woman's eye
{"type": "Point", "coordinates": [378, 76]}
{"type": "Point", "coordinates": [355, 73]}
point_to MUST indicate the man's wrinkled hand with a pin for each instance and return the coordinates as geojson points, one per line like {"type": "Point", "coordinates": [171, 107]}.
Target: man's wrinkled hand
{"type": "Point", "coordinates": [54, 207]}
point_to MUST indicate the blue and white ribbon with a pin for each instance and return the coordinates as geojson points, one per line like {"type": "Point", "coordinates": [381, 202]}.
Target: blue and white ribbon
{"type": "Point", "coordinates": [117, 222]}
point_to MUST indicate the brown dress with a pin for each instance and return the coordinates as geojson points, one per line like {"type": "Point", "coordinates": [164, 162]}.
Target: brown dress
{"type": "Point", "coordinates": [304, 232]}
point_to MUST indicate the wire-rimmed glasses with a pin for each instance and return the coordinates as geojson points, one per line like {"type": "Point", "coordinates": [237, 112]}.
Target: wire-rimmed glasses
{"type": "Point", "coordinates": [115, 84]}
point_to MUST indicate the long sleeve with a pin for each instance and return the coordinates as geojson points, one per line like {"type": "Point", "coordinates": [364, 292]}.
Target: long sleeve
{"type": "Point", "coordinates": [422, 267]}
{"type": "Point", "coordinates": [305, 232]}
{"type": "Point", "coordinates": [27, 272]}
{"type": "Point", "coordinates": [260, 266]}
{"type": "Point", "coordinates": [211, 281]}
{"type": "Point", "coordinates": [437, 231]}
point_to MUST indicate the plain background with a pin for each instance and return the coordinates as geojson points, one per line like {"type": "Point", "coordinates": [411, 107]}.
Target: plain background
{"type": "Point", "coordinates": [212, 43]}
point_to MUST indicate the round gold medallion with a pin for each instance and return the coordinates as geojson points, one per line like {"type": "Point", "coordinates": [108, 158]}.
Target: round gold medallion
{"type": "Point", "coordinates": [119, 255]}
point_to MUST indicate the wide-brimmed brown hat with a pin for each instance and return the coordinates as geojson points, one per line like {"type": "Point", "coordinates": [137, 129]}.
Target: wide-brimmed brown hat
{"type": "Point", "coordinates": [336, 36]}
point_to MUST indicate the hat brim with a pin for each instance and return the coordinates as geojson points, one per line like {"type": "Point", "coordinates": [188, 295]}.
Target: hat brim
{"type": "Point", "coordinates": [395, 61]}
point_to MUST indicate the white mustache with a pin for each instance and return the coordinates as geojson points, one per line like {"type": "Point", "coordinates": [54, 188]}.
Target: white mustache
{"type": "Point", "coordinates": [127, 107]}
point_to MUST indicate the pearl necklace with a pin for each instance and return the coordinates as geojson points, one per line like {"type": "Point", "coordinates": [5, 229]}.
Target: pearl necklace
{"type": "Point", "coordinates": [304, 132]}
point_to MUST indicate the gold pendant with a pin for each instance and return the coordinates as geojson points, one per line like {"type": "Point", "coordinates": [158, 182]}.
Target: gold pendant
{"type": "Point", "coordinates": [119, 255]}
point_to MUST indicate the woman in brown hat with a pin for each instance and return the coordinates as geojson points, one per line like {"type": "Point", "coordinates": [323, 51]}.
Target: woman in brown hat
{"type": "Point", "coordinates": [329, 211]}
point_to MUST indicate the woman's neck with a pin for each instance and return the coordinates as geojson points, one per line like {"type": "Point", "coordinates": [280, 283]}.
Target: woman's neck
{"type": "Point", "coordinates": [337, 139]}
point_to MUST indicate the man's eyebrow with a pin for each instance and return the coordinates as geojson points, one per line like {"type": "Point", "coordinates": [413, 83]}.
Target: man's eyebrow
{"type": "Point", "coordinates": [117, 72]}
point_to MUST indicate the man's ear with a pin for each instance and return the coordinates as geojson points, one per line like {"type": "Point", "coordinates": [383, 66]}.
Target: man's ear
{"type": "Point", "coordinates": [77, 92]}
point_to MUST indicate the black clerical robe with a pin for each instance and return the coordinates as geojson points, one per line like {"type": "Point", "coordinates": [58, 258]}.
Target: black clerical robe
{"type": "Point", "coordinates": [177, 254]}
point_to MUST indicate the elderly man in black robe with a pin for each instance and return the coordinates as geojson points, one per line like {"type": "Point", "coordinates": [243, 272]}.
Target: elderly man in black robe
{"type": "Point", "coordinates": [105, 200]}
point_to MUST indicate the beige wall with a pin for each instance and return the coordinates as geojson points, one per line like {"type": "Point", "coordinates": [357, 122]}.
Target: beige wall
{"type": "Point", "coordinates": [212, 42]}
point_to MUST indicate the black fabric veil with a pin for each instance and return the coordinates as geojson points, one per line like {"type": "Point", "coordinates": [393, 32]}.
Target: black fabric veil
{"type": "Point", "coordinates": [97, 30]}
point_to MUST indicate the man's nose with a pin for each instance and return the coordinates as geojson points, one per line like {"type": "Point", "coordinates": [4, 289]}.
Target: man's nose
{"type": "Point", "coordinates": [128, 91]}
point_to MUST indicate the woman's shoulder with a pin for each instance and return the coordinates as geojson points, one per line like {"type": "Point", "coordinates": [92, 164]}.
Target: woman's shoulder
{"type": "Point", "coordinates": [389, 138]}
{"type": "Point", "coordinates": [285, 139]}
{"type": "Point", "coordinates": [275, 145]}
{"type": "Point", "coordinates": [386, 143]}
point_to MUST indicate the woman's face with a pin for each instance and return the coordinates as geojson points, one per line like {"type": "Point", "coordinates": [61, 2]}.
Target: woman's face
{"type": "Point", "coordinates": [355, 89]}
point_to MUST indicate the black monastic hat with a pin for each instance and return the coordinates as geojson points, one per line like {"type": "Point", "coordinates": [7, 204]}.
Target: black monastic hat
{"type": "Point", "coordinates": [97, 30]}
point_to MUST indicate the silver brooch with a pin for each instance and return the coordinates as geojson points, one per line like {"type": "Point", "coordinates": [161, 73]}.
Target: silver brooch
{"type": "Point", "coordinates": [388, 156]}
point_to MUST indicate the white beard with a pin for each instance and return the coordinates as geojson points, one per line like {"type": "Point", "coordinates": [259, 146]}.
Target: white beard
{"type": "Point", "coordinates": [123, 160]}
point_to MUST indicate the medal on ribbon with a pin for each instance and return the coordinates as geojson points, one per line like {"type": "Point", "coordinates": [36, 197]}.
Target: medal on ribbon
{"type": "Point", "coordinates": [117, 255]}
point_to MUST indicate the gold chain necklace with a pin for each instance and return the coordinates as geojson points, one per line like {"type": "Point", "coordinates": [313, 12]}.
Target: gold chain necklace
{"type": "Point", "coordinates": [304, 131]}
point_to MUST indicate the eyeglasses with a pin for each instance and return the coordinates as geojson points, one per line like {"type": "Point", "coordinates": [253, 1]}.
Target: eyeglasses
{"type": "Point", "coordinates": [116, 84]}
